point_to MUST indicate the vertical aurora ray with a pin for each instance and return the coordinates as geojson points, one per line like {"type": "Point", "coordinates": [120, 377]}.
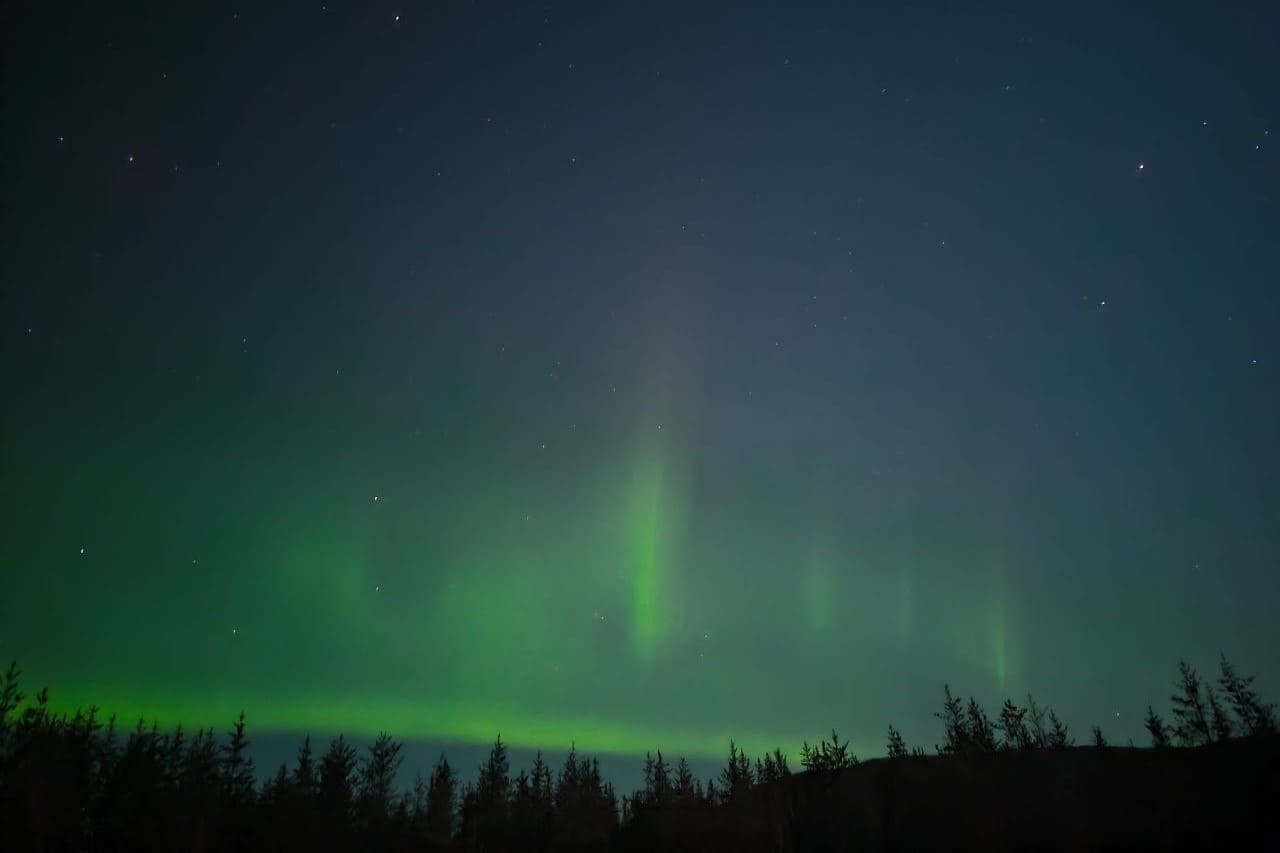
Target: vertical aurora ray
{"type": "Point", "coordinates": [644, 561]}
{"type": "Point", "coordinates": [1001, 652]}
{"type": "Point", "coordinates": [819, 594]}
{"type": "Point", "coordinates": [654, 521]}
{"type": "Point", "coordinates": [656, 486]}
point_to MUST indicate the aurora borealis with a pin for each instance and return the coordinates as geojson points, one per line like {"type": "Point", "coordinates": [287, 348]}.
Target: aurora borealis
{"type": "Point", "coordinates": [636, 375]}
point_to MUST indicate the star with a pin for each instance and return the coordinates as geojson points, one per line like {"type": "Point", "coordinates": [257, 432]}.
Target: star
{"type": "Point", "coordinates": [82, 551]}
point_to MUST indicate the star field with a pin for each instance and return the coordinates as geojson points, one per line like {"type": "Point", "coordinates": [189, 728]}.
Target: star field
{"type": "Point", "coordinates": [638, 375]}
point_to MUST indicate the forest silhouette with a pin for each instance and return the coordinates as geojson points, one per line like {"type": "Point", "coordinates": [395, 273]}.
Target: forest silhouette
{"type": "Point", "coordinates": [1209, 779]}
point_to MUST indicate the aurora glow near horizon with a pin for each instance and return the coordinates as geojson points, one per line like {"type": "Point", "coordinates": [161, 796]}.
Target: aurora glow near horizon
{"type": "Point", "coordinates": [638, 377]}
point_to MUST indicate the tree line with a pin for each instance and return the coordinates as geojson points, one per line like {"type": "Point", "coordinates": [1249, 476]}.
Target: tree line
{"type": "Point", "coordinates": [77, 782]}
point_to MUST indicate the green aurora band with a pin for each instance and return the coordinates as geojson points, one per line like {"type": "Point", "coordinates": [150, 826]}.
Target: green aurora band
{"type": "Point", "coordinates": [608, 609]}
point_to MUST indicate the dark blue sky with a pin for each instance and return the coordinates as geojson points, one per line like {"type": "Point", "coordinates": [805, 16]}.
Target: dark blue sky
{"type": "Point", "coordinates": [588, 370]}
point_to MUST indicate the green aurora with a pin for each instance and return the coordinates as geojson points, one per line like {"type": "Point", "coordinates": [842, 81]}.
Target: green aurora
{"type": "Point", "coordinates": [322, 610]}
{"type": "Point", "coordinates": [637, 375]}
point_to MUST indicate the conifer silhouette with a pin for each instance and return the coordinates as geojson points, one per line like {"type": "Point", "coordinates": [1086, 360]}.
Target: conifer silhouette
{"type": "Point", "coordinates": [304, 772]}
{"type": "Point", "coordinates": [773, 768]}
{"type": "Point", "coordinates": [337, 785]}
{"type": "Point", "coordinates": [1156, 727]}
{"type": "Point", "coordinates": [442, 802]}
{"type": "Point", "coordinates": [1013, 727]}
{"type": "Point", "coordinates": [1190, 714]}
{"type": "Point", "coordinates": [377, 779]}
{"type": "Point", "coordinates": [897, 748]}
{"type": "Point", "coordinates": [1221, 726]}
{"type": "Point", "coordinates": [237, 767]}
{"type": "Point", "coordinates": [67, 784]}
{"type": "Point", "coordinates": [736, 778]}
{"type": "Point", "coordinates": [982, 733]}
{"type": "Point", "coordinates": [1035, 721]}
{"type": "Point", "coordinates": [686, 787]}
{"type": "Point", "coordinates": [1255, 716]}
{"type": "Point", "coordinates": [1059, 736]}
{"type": "Point", "coordinates": [955, 723]}
{"type": "Point", "coordinates": [827, 756]}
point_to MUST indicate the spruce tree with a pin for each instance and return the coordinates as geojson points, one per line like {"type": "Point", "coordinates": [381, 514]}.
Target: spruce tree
{"type": "Point", "coordinates": [10, 699]}
{"type": "Point", "coordinates": [772, 768]}
{"type": "Point", "coordinates": [736, 778]}
{"type": "Point", "coordinates": [442, 802]}
{"type": "Point", "coordinates": [897, 748]}
{"type": "Point", "coordinates": [1157, 728]}
{"type": "Point", "coordinates": [685, 784]}
{"type": "Point", "coordinates": [827, 756]}
{"type": "Point", "coordinates": [1190, 716]}
{"type": "Point", "coordinates": [1255, 716]}
{"type": "Point", "coordinates": [540, 780]}
{"type": "Point", "coordinates": [1013, 727]}
{"type": "Point", "coordinates": [1035, 723]}
{"type": "Point", "coordinates": [1221, 725]}
{"type": "Point", "coordinates": [237, 767]}
{"type": "Point", "coordinates": [982, 733]}
{"type": "Point", "coordinates": [337, 783]}
{"type": "Point", "coordinates": [955, 723]}
{"type": "Point", "coordinates": [493, 797]}
{"type": "Point", "coordinates": [377, 777]}
{"type": "Point", "coordinates": [305, 781]}
{"type": "Point", "coordinates": [1059, 737]}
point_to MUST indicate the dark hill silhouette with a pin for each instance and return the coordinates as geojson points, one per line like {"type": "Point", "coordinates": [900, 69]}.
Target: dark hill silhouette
{"type": "Point", "coordinates": [1219, 796]}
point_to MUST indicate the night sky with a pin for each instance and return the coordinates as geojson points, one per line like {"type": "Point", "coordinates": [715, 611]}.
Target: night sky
{"type": "Point", "coordinates": [638, 374]}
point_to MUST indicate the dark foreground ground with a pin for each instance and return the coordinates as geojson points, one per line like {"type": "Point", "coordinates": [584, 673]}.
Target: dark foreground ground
{"type": "Point", "coordinates": [1219, 797]}
{"type": "Point", "coordinates": [1225, 796]}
